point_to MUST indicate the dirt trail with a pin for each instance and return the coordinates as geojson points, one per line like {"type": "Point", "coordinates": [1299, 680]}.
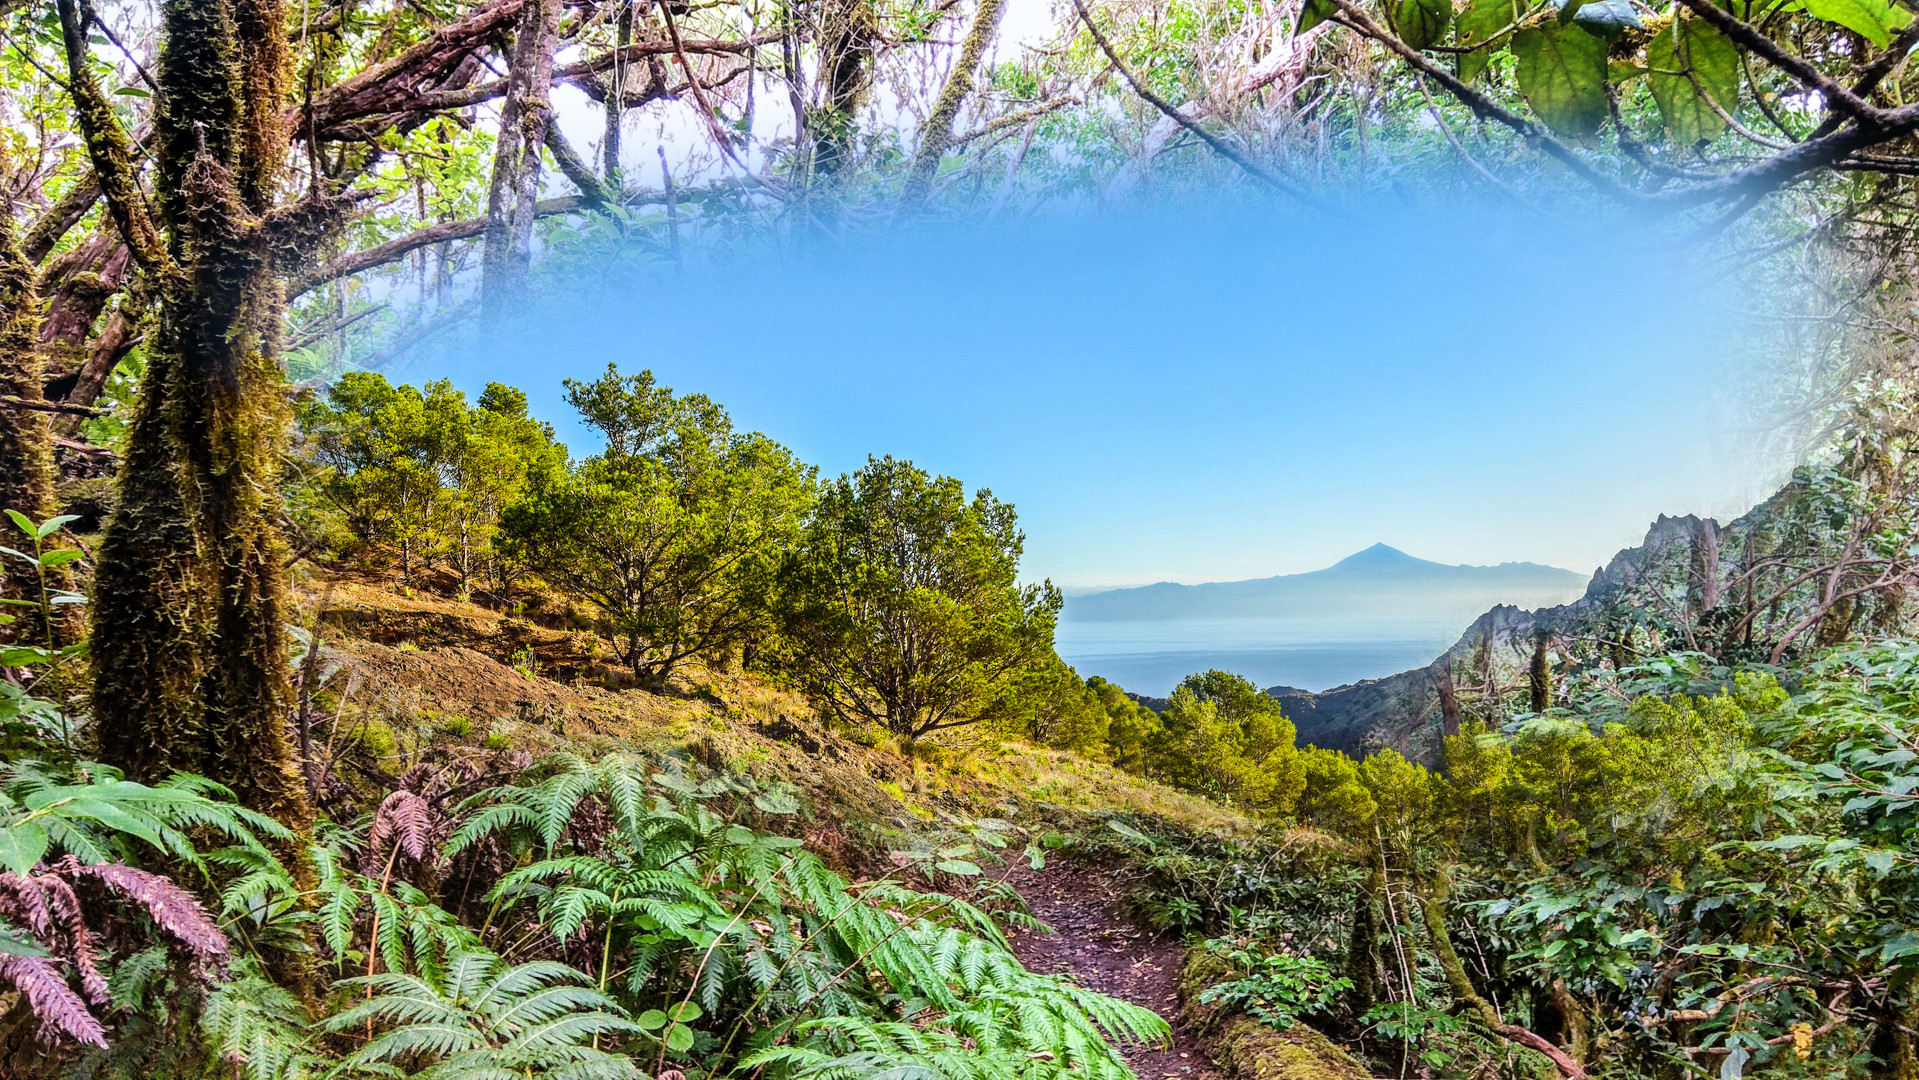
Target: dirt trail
{"type": "Point", "coordinates": [1111, 954]}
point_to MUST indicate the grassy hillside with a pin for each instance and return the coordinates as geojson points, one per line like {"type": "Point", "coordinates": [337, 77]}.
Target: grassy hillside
{"type": "Point", "coordinates": [429, 670]}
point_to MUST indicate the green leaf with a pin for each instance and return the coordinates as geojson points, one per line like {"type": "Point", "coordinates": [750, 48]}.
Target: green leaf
{"type": "Point", "coordinates": [1874, 20]}
{"type": "Point", "coordinates": [1562, 74]}
{"type": "Point", "coordinates": [1482, 22]}
{"type": "Point", "coordinates": [680, 1040]}
{"type": "Point", "coordinates": [776, 802]}
{"type": "Point", "coordinates": [24, 523]}
{"type": "Point", "coordinates": [686, 1012]}
{"type": "Point", "coordinates": [959, 867]}
{"type": "Point", "coordinates": [22, 846]}
{"type": "Point", "coordinates": [651, 1020]}
{"type": "Point", "coordinates": [1314, 12]}
{"type": "Point", "coordinates": [1690, 63]}
{"type": "Point", "coordinates": [61, 557]}
{"type": "Point", "coordinates": [1607, 18]}
{"type": "Point", "coordinates": [52, 525]}
{"type": "Point", "coordinates": [1421, 23]}
{"type": "Point", "coordinates": [112, 816]}
{"type": "Point", "coordinates": [1905, 944]}
{"type": "Point", "coordinates": [11, 945]}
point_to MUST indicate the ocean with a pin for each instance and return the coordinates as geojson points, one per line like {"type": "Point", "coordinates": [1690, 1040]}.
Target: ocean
{"type": "Point", "coordinates": [1151, 657]}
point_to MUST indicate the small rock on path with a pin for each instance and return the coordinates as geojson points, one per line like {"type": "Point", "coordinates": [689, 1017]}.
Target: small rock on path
{"type": "Point", "coordinates": [1108, 953]}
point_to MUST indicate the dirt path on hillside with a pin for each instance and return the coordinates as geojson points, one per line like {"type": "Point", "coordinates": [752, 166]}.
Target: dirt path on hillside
{"type": "Point", "coordinates": [1108, 953]}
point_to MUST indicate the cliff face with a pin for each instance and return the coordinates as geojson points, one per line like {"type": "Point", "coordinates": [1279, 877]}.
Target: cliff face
{"type": "Point", "coordinates": [1402, 712]}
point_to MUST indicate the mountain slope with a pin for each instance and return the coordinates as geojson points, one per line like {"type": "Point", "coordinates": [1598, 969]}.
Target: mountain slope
{"type": "Point", "coordinates": [1379, 582]}
{"type": "Point", "coordinates": [1402, 711]}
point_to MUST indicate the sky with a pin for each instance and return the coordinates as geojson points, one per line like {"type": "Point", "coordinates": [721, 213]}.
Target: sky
{"type": "Point", "coordinates": [1204, 394]}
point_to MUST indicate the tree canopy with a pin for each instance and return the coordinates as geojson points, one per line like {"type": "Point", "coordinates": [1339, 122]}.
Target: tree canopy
{"type": "Point", "coordinates": [902, 602]}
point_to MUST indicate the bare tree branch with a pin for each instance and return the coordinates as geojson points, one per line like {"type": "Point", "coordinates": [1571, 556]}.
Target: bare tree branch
{"type": "Point", "coordinates": [1743, 33]}
{"type": "Point", "coordinates": [1532, 131]}
{"type": "Point", "coordinates": [396, 249]}
{"type": "Point", "coordinates": [1222, 147]}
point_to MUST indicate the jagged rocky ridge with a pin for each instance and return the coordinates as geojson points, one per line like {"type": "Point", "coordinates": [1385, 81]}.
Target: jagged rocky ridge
{"type": "Point", "coordinates": [1403, 711]}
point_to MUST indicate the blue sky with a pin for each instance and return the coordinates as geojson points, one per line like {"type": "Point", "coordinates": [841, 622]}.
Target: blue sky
{"type": "Point", "coordinates": [1208, 394]}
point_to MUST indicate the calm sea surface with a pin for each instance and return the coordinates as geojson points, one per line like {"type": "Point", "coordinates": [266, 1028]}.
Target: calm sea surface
{"type": "Point", "coordinates": [1312, 654]}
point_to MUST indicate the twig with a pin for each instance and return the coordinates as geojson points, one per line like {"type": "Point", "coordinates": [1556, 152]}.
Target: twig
{"type": "Point", "coordinates": [15, 402]}
{"type": "Point", "coordinates": [707, 114]}
{"type": "Point", "coordinates": [1225, 149]}
{"type": "Point", "coordinates": [308, 337]}
{"type": "Point", "coordinates": [1487, 174]}
{"type": "Point", "coordinates": [1812, 78]}
{"type": "Point", "coordinates": [1352, 16]}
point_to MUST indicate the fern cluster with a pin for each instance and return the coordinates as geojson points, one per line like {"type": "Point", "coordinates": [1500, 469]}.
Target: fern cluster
{"type": "Point", "coordinates": [634, 933]}
{"type": "Point", "coordinates": [792, 969]}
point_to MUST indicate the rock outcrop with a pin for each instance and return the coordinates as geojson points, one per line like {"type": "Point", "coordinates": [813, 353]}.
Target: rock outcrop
{"type": "Point", "coordinates": [1402, 711]}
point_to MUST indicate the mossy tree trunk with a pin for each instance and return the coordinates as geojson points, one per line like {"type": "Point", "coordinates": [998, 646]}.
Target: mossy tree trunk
{"type": "Point", "coordinates": [936, 134]}
{"type": "Point", "coordinates": [849, 35]}
{"type": "Point", "coordinates": [1540, 675]}
{"type": "Point", "coordinates": [1362, 949]}
{"type": "Point", "coordinates": [191, 670]}
{"type": "Point", "coordinates": [1435, 892]}
{"type": "Point", "coordinates": [515, 187]}
{"type": "Point", "coordinates": [26, 449]}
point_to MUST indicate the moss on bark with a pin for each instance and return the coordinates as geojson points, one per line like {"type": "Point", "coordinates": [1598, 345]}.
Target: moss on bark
{"type": "Point", "coordinates": [26, 448]}
{"type": "Point", "coordinates": [191, 670]}
{"type": "Point", "coordinates": [1246, 1049]}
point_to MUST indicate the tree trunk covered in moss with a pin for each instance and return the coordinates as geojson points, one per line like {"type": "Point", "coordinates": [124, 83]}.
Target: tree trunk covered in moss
{"type": "Point", "coordinates": [1362, 950]}
{"type": "Point", "coordinates": [1540, 676]}
{"type": "Point", "coordinates": [937, 133]}
{"type": "Point", "coordinates": [515, 187]}
{"type": "Point", "coordinates": [1435, 890]}
{"type": "Point", "coordinates": [848, 37]}
{"type": "Point", "coordinates": [190, 646]}
{"type": "Point", "coordinates": [26, 451]}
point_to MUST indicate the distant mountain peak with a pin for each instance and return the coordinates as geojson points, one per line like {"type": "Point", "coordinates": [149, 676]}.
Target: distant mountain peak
{"type": "Point", "coordinates": [1380, 554]}
{"type": "Point", "coordinates": [1381, 581]}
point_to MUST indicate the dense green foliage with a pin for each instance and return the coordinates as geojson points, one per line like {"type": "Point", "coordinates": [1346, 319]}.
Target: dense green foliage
{"type": "Point", "coordinates": [674, 532]}
{"type": "Point", "coordinates": [420, 473]}
{"type": "Point", "coordinates": [902, 605]}
{"type": "Point", "coordinates": [1695, 865]}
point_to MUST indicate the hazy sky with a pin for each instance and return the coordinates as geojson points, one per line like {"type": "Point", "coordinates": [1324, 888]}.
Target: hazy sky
{"type": "Point", "coordinates": [1208, 395]}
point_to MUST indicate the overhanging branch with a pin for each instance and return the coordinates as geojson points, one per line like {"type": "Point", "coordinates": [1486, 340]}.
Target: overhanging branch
{"type": "Point", "coordinates": [1222, 147]}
